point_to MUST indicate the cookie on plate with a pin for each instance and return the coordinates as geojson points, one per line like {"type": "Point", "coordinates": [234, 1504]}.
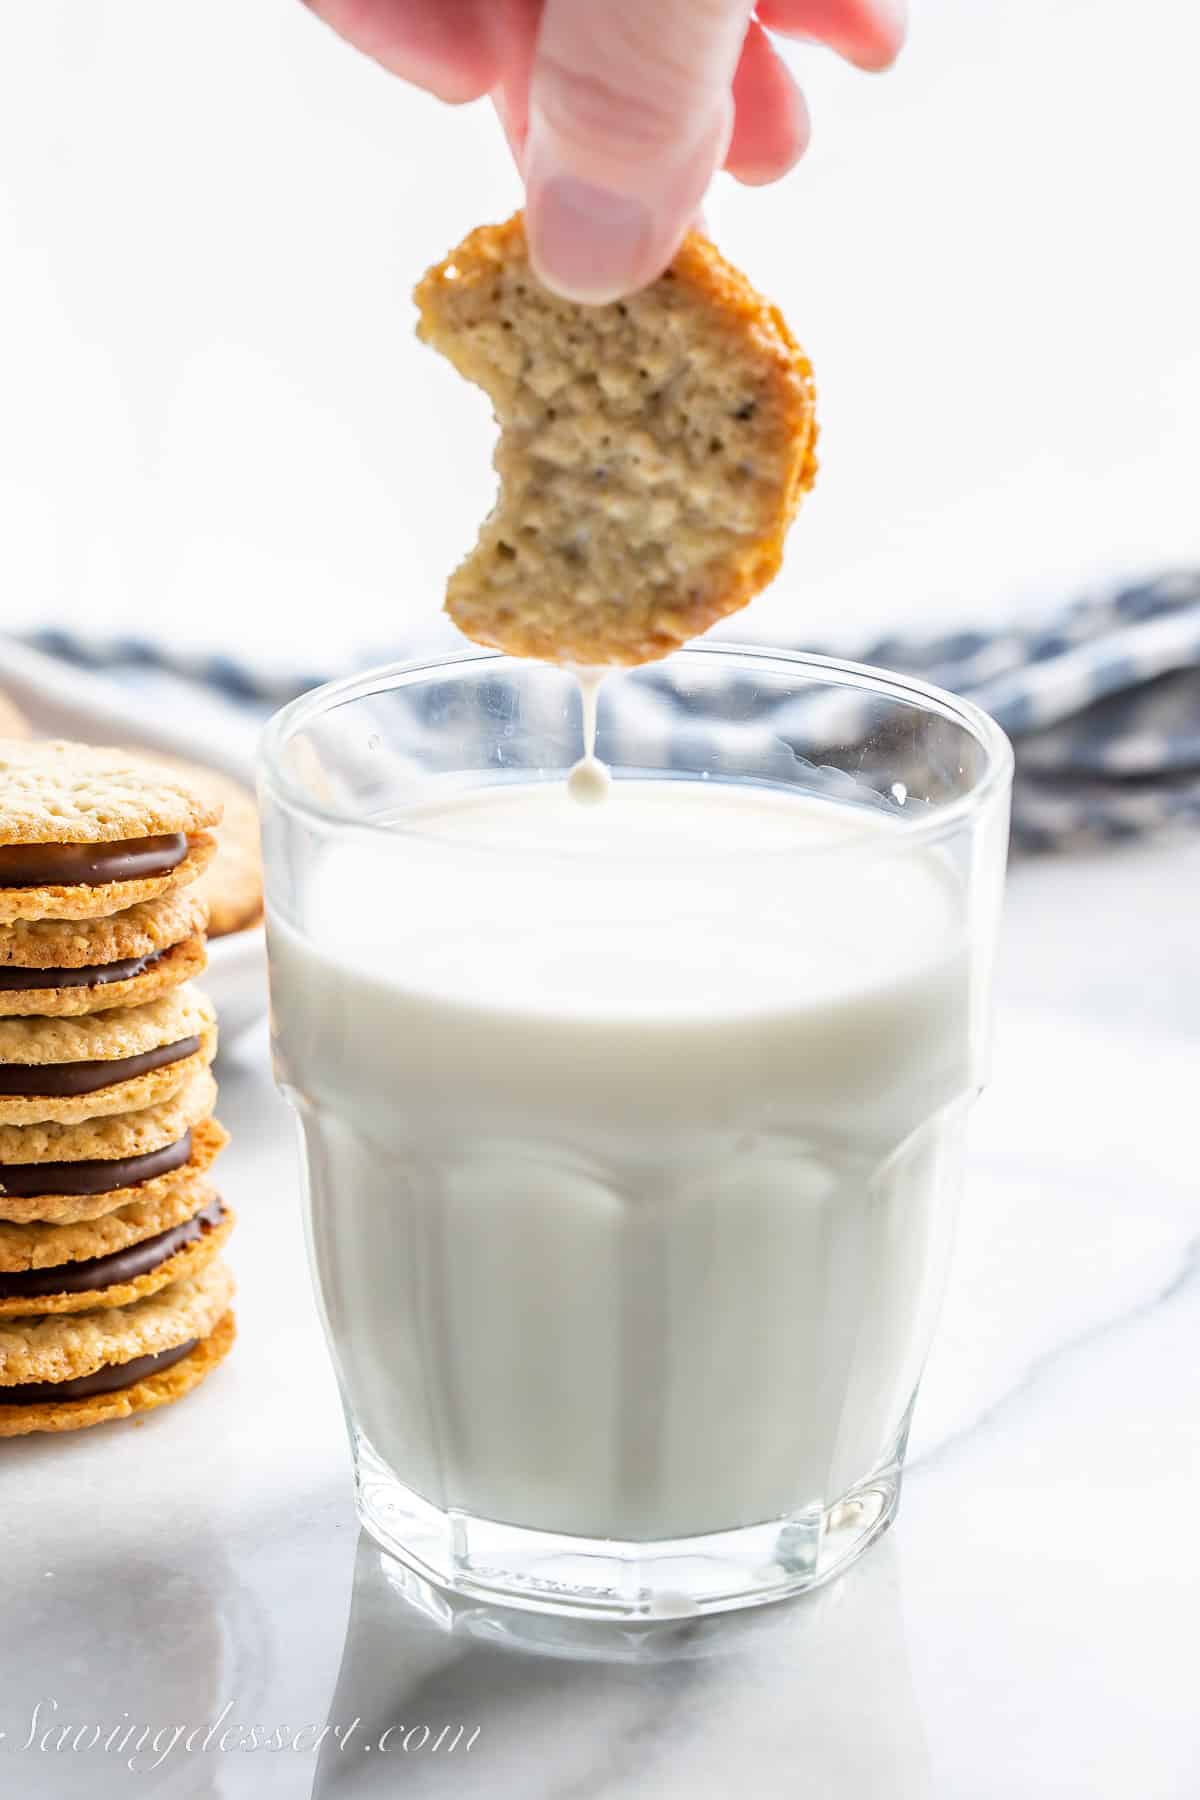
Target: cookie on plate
{"type": "Point", "coordinates": [64, 1172]}
{"type": "Point", "coordinates": [652, 452]}
{"type": "Point", "coordinates": [232, 885]}
{"type": "Point", "coordinates": [64, 967]}
{"type": "Point", "coordinates": [61, 1371]}
{"type": "Point", "coordinates": [87, 832]}
{"type": "Point", "coordinates": [70, 1268]}
{"type": "Point", "coordinates": [105, 1062]}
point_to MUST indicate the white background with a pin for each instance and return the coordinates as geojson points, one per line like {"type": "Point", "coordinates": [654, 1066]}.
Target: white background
{"type": "Point", "coordinates": [216, 425]}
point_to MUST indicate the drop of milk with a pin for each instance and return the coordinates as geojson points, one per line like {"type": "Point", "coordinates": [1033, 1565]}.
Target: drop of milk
{"type": "Point", "coordinates": [589, 780]}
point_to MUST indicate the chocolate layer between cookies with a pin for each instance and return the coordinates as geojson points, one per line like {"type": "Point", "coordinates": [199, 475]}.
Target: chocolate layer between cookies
{"type": "Point", "coordinates": [106, 1380]}
{"type": "Point", "coordinates": [70, 1078]}
{"type": "Point", "coordinates": [14, 979]}
{"type": "Point", "coordinates": [90, 865]}
{"type": "Point", "coordinates": [100, 1175]}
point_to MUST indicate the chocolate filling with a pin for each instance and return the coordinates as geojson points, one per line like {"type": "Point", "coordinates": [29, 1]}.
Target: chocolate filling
{"type": "Point", "coordinates": [112, 1270]}
{"type": "Point", "coordinates": [105, 1380]}
{"type": "Point", "coordinates": [58, 1081]}
{"type": "Point", "coordinates": [90, 865]}
{"type": "Point", "coordinates": [24, 1180]}
{"type": "Point", "coordinates": [13, 979]}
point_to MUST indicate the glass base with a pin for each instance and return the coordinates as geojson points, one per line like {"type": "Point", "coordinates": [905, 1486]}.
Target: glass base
{"type": "Point", "coordinates": [605, 1578]}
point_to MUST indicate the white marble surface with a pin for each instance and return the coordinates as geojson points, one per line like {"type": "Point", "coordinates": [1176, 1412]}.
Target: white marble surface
{"type": "Point", "coordinates": [1026, 1628]}
{"type": "Point", "coordinates": [210, 215]}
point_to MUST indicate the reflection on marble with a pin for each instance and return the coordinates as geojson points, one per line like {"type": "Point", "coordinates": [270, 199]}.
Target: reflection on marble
{"type": "Point", "coordinates": [1025, 1629]}
{"type": "Point", "coordinates": [639, 1710]}
{"type": "Point", "coordinates": [188, 1632]}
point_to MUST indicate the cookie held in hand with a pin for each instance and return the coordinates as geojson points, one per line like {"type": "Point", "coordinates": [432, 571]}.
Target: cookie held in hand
{"type": "Point", "coordinates": [652, 452]}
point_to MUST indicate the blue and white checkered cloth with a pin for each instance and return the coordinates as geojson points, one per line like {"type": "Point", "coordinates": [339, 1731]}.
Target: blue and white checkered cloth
{"type": "Point", "coordinates": [1102, 702]}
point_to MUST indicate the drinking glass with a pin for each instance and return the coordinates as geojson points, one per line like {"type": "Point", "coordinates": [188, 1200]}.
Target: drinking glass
{"type": "Point", "coordinates": [629, 1298]}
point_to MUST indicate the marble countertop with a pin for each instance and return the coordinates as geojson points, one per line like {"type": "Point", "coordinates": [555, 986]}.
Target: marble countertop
{"type": "Point", "coordinates": [1024, 1629]}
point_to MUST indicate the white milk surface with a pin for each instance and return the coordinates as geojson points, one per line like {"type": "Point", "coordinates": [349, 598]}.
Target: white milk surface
{"type": "Point", "coordinates": [631, 1134]}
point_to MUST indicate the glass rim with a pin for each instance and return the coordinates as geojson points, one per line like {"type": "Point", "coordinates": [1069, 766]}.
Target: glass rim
{"type": "Point", "coordinates": [995, 777]}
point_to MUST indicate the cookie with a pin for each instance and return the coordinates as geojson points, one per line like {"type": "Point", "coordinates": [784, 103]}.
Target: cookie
{"type": "Point", "coordinates": [108, 1188]}
{"type": "Point", "coordinates": [65, 967]}
{"type": "Point", "coordinates": [107, 1062]}
{"type": "Point", "coordinates": [13, 722]}
{"type": "Point", "coordinates": [117, 1277]}
{"type": "Point", "coordinates": [88, 832]}
{"type": "Point", "coordinates": [158, 1208]}
{"type": "Point", "coordinates": [150, 1381]}
{"type": "Point", "coordinates": [652, 452]}
{"type": "Point", "coordinates": [232, 884]}
{"type": "Point", "coordinates": [97, 1156]}
{"type": "Point", "coordinates": [158, 1381]}
{"type": "Point", "coordinates": [62, 1347]}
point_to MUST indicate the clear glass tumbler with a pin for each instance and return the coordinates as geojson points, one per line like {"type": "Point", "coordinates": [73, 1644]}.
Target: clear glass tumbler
{"type": "Point", "coordinates": [632, 1132]}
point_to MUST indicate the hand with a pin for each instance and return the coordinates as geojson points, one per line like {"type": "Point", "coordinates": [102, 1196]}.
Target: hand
{"type": "Point", "coordinates": [619, 111]}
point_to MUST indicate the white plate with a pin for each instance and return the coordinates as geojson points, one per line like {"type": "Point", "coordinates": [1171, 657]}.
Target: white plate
{"type": "Point", "coordinates": [236, 979]}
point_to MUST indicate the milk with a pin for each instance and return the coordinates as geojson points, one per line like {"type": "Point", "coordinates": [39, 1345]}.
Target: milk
{"type": "Point", "coordinates": [628, 1130]}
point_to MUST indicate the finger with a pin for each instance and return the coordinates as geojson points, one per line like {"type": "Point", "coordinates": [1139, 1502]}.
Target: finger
{"type": "Point", "coordinates": [869, 33]}
{"type": "Point", "coordinates": [518, 21]}
{"type": "Point", "coordinates": [770, 119]}
{"type": "Point", "coordinates": [630, 112]}
{"type": "Point", "coordinates": [448, 47]}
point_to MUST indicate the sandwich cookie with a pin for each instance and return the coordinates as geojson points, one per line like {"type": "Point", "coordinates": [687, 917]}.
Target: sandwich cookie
{"type": "Point", "coordinates": [62, 1272]}
{"type": "Point", "coordinates": [64, 1371]}
{"type": "Point", "coordinates": [63, 967]}
{"type": "Point", "coordinates": [88, 832]}
{"type": "Point", "coordinates": [66, 1070]}
{"type": "Point", "coordinates": [66, 1172]}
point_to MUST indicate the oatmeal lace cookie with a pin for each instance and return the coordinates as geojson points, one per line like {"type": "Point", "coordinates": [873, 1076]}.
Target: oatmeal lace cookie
{"type": "Point", "coordinates": [65, 967]}
{"type": "Point", "coordinates": [85, 833]}
{"type": "Point", "coordinates": [652, 452]}
{"type": "Point", "coordinates": [108, 1062]}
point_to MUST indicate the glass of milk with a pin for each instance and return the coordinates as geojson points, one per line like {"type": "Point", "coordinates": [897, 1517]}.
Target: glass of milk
{"type": "Point", "coordinates": [632, 1129]}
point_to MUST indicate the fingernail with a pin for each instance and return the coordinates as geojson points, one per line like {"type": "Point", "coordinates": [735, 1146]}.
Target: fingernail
{"type": "Point", "coordinates": [585, 242]}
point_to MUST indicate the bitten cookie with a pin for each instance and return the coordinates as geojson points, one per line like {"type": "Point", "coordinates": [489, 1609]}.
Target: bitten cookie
{"type": "Point", "coordinates": [64, 967]}
{"type": "Point", "coordinates": [107, 1062]}
{"type": "Point", "coordinates": [113, 1277]}
{"type": "Point", "coordinates": [105, 1188]}
{"type": "Point", "coordinates": [232, 885]}
{"type": "Point", "coordinates": [652, 452]}
{"type": "Point", "coordinates": [97, 1156]}
{"type": "Point", "coordinates": [87, 832]}
{"type": "Point", "coordinates": [64, 1371]}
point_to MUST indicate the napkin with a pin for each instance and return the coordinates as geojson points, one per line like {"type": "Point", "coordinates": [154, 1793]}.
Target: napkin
{"type": "Point", "coordinates": [1101, 700]}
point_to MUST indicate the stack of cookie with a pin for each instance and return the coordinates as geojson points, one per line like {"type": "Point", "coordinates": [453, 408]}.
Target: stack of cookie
{"type": "Point", "coordinates": [113, 1297]}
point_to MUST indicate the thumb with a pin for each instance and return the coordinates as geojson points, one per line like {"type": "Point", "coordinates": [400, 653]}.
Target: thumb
{"type": "Point", "coordinates": [630, 111]}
